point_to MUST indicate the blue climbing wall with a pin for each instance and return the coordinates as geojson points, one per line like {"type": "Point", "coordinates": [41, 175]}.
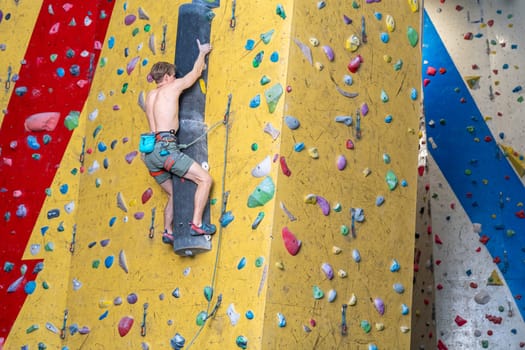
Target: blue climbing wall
{"type": "Point", "coordinates": [468, 154]}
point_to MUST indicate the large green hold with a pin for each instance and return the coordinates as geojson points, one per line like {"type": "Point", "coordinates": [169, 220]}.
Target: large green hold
{"type": "Point", "coordinates": [412, 35]}
{"type": "Point", "coordinates": [262, 193]}
{"type": "Point", "coordinates": [273, 95]}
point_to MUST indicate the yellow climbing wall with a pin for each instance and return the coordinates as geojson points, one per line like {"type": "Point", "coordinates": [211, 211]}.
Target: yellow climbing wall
{"type": "Point", "coordinates": [88, 282]}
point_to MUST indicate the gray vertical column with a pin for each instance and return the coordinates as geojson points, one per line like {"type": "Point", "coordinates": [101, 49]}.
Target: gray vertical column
{"type": "Point", "coordinates": [194, 23]}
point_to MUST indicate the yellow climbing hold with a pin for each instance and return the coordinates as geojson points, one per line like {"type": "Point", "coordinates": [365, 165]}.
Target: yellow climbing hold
{"type": "Point", "coordinates": [202, 85]}
{"type": "Point", "coordinates": [313, 152]}
{"type": "Point", "coordinates": [387, 58]}
{"type": "Point", "coordinates": [352, 43]}
{"type": "Point", "coordinates": [517, 161]}
{"type": "Point", "coordinates": [414, 5]}
{"type": "Point", "coordinates": [472, 81]}
{"type": "Point", "coordinates": [494, 279]}
{"type": "Point", "coordinates": [390, 23]}
{"type": "Point", "coordinates": [310, 199]}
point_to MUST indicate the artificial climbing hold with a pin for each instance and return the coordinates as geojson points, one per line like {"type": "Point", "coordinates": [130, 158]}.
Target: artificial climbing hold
{"type": "Point", "coordinates": [291, 243]}
{"type": "Point", "coordinates": [262, 194]}
{"type": "Point", "coordinates": [125, 325]}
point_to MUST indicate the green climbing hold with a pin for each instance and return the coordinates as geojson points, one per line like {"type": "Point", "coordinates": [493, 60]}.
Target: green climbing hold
{"type": "Point", "coordinates": [201, 318]}
{"type": "Point", "coordinates": [265, 80]}
{"type": "Point", "coordinates": [147, 28]}
{"type": "Point", "coordinates": [412, 35]}
{"type": "Point", "coordinates": [135, 32]}
{"type": "Point", "coordinates": [71, 121]}
{"type": "Point", "coordinates": [95, 264]}
{"type": "Point", "coordinates": [344, 230]}
{"type": "Point", "coordinates": [266, 37]}
{"type": "Point", "coordinates": [365, 326]}
{"type": "Point", "coordinates": [259, 261]}
{"type": "Point", "coordinates": [318, 293]}
{"type": "Point", "coordinates": [391, 180]}
{"type": "Point", "coordinates": [273, 95]}
{"type": "Point", "coordinates": [280, 11]}
{"type": "Point", "coordinates": [208, 293]}
{"type": "Point", "coordinates": [262, 193]}
{"type": "Point", "coordinates": [468, 172]}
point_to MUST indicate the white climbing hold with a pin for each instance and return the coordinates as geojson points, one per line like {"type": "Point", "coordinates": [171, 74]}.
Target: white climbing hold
{"type": "Point", "coordinates": [263, 168]}
{"type": "Point", "coordinates": [233, 315]}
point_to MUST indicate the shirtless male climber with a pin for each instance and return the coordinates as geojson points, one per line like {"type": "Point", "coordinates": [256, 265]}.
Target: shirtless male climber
{"type": "Point", "coordinates": [166, 160]}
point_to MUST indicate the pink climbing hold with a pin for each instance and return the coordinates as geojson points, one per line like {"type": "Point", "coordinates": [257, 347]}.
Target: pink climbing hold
{"type": "Point", "coordinates": [460, 321]}
{"type": "Point", "coordinates": [355, 63]}
{"type": "Point", "coordinates": [45, 121]}
{"type": "Point", "coordinates": [284, 166]}
{"type": "Point", "coordinates": [147, 195]}
{"type": "Point", "coordinates": [125, 325]}
{"type": "Point", "coordinates": [291, 242]}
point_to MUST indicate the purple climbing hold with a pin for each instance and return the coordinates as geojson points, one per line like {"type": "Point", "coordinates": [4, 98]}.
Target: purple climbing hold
{"type": "Point", "coordinates": [329, 53]}
{"type": "Point", "coordinates": [327, 270]}
{"type": "Point", "coordinates": [323, 204]}
{"type": "Point", "coordinates": [132, 298]}
{"type": "Point", "coordinates": [341, 162]}
{"type": "Point", "coordinates": [130, 156]}
{"type": "Point", "coordinates": [379, 305]}
{"type": "Point", "coordinates": [130, 19]}
{"type": "Point", "coordinates": [364, 109]}
{"type": "Point", "coordinates": [132, 64]}
{"type": "Point", "coordinates": [139, 215]}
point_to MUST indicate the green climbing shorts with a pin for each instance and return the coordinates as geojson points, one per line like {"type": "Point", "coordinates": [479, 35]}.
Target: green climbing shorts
{"type": "Point", "coordinates": [167, 160]}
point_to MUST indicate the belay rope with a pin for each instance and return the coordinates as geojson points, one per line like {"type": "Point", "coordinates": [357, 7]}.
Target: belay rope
{"type": "Point", "coordinates": [209, 314]}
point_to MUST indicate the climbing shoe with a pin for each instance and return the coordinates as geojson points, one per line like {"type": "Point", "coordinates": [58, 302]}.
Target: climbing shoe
{"type": "Point", "coordinates": [167, 237]}
{"type": "Point", "coordinates": [204, 229]}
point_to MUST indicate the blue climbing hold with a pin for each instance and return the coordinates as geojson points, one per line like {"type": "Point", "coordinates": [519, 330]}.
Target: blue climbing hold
{"type": "Point", "coordinates": [30, 287]}
{"type": "Point", "coordinates": [32, 142]}
{"type": "Point", "coordinates": [256, 101]}
{"type": "Point", "coordinates": [108, 262]}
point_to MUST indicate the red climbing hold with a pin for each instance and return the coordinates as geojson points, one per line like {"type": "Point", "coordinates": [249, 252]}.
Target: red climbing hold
{"type": "Point", "coordinates": [426, 81]}
{"type": "Point", "coordinates": [521, 214]}
{"type": "Point", "coordinates": [437, 240]}
{"type": "Point", "coordinates": [490, 22]}
{"type": "Point", "coordinates": [431, 71]}
{"type": "Point", "coordinates": [349, 144]}
{"type": "Point", "coordinates": [441, 345]}
{"type": "Point", "coordinates": [284, 166]}
{"type": "Point", "coordinates": [484, 239]}
{"type": "Point", "coordinates": [147, 195]}
{"type": "Point", "coordinates": [488, 138]}
{"type": "Point", "coordinates": [291, 242]}
{"type": "Point", "coordinates": [125, 325]}
{"type": "Point", "coordinates": [459, 7]}
{"type": "Point", "coordinates": [496, 260]}
{"type": "Point", "coordinates": [442, 70]}
{"type": "Point", "coordinates": [460, 321]}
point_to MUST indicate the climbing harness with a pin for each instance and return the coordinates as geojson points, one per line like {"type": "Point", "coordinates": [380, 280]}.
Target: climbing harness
{"type": "Point", "coordinates": [209, 314]}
